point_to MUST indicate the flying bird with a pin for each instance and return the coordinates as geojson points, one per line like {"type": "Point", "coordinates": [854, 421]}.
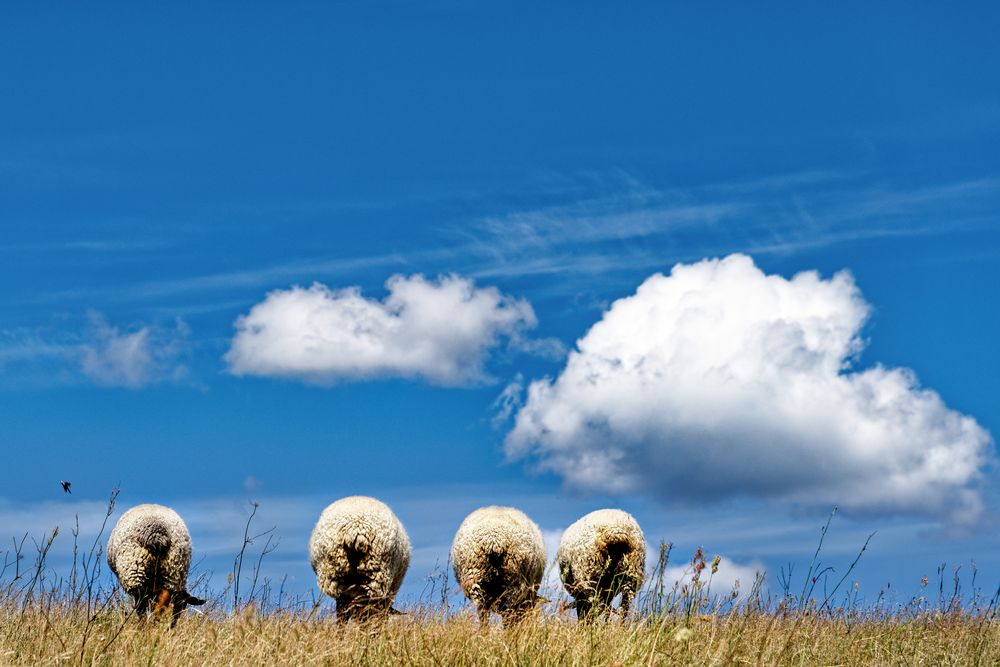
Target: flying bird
{"type": "Point", "coordinates": [65, 485]}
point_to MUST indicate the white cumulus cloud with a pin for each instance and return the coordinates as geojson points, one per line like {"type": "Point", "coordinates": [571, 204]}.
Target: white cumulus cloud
{"type": "Point", "coordinates": [719, 380]}
{"type": "Point", "coordinates": [440, 330]}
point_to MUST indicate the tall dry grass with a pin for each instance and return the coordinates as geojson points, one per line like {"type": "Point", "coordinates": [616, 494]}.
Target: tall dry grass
{"type": "Point", "coordinates": [81, 618]}
{"type": "Point", "coordinates": [65, 635]}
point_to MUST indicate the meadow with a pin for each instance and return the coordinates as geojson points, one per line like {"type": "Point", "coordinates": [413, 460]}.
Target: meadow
{"type": "Point", "coordinates": [57, 636]}
{"type": "Point", "coordinates": [80, 617]}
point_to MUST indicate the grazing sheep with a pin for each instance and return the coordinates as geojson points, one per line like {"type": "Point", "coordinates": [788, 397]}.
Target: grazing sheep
{"type": "Point", "coordinates": [601, 555]}
{"type": "Point", "coordinates": [360, 552]}
{"type": "Point", "coordinates": [149, 550]}
{"type": "Point", "coordinates": [499, 559]}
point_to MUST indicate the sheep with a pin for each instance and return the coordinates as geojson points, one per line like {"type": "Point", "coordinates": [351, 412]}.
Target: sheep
{"type": "Point", "coordinates": [360, 552]}
{"type": "Point", "coordinates": [499, 559]}
{"type": "Point", "coordinates": [601, 555]}
{"type": "Point", "coordinates": [149, 550]}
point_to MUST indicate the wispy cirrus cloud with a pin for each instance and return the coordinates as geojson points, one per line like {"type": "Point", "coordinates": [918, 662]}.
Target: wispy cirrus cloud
{"type": "Point", "coordinates": [638, 226]}
{"type": "Point", "coordinates": [103, 246]}
{"type": "Point", "coordinates": [599, 227]}
{"type": "Point", "coordinates": [228, 281]}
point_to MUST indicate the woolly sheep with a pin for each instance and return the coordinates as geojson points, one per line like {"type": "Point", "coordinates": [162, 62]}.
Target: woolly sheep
{"type": "Point", "coordinates": [601, 555]}
{"type": "Point", "coordinates": [149, 550]}
{"type": "Point", "coordinates": [360, 553]}
{"type": "Point", "coordinates": [499, 559]}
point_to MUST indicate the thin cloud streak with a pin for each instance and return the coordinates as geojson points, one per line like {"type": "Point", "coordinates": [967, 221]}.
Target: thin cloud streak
{"type": "Point", "coordinates": [249, 278]}
{"type": "Point", "coordinates": [549, 242]}
{"type": "Point", "coordinates": [628, 226]}
{"type": "Point", "coordinates": [104, 246]}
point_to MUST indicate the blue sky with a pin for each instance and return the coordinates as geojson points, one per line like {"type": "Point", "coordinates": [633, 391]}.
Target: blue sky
{"type": "Point", "coordinates": [165, 169]}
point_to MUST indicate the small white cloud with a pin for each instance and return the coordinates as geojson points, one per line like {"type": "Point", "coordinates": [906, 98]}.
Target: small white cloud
{"type": "Point", "coordinates": [131, 359]}
{"type": "Point", "coordinates": [545, 348]}
{"type": "Point", "coordinates": [98, 351]}
{"type": "Point", "coordinates": [719, 381]}
{"type": "Point", "coordinates": [251, 484]}
{"type": "Point", "coordinates": [439, 330]}
{"type": "Point", "coordinates": [508, 402]}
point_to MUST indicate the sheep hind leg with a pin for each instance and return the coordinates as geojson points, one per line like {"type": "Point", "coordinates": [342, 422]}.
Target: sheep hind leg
{"type": "Point", "coordinates": [627, 595]}
{"type": "Point", "coordinates": [583, 607]}
{"type": "Point", "coordinates": [513, 617]}
{"type": "Point", "coordinates": [142, 606]}
{"type": "Point", "coordinates": [375, 612]}
{"type": "Point", "coordinates": [484, 617]}
{"type": "Point", "coordinates": [345, 610]}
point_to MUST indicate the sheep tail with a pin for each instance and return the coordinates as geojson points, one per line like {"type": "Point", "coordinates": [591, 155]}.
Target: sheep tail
{"type": "Point", "coordinates": [495, 559]}
{"type": "Point", "coordinates": [155, 539]}
{"type": "Point", "coordinates": [357, 549]}
{"type": "Point", "coordinates": [492, 578]}
{"type": "Point", "coordinates": [615, 548]}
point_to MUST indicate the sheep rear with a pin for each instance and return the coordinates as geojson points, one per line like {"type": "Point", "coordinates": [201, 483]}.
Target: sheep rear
{"type": "Point", "coordinates": [357, 599]}
{"type": "Point", "coordinates": [354, 581]}
{"type": "Point", "coordinates": [613, 578]}
{"type": "Point", "coordinates": [155, 539]}
{"type": "Point", "coordinates": [504, 588]}
{"type": "Point", "coordinates": [614, 551]}
{"type": "Point", "coordinates": [493, 584]}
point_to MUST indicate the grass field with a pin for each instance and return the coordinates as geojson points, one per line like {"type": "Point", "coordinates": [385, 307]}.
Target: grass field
{"type": "Point", "coordinates": [72, 636]}
{"type": "Point", "coordinates": [80, 617]}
